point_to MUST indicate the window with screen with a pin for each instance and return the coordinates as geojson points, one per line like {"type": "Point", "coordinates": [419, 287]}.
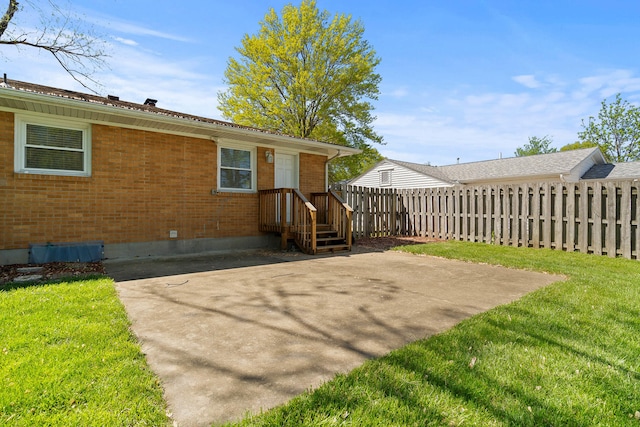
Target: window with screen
{"type": "Point", "coordinates": [52, 147]}
{"type": "Point", "coordinates": [236, 169]}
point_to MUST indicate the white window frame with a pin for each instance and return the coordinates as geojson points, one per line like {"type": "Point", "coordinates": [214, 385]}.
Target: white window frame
{"type": "Point", "coordinates": [388, 182]}
{"type": "Point", "coordinates": [254, 169]}
{"type": "Point", "coordinates": [20, 145]}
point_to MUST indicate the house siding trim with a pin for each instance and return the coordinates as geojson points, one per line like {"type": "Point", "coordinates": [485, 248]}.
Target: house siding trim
{"type": "Point", "coordinates": [401, 177]}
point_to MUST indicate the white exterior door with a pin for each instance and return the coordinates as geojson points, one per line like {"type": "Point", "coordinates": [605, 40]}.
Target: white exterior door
{"type": "Point", "coordinates": [286, 177]}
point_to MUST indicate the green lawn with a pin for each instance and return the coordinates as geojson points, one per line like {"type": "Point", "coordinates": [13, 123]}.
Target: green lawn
{"type": "Point", "coordinates": [67, 358]}
{"type": "Point", "coordinates": [566, 355]}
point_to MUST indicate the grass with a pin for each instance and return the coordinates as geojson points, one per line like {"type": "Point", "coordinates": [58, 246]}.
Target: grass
{"type": "Point", "coordinates": [67, 357]}
{"type": "Point", "coordinates": [566, 355]}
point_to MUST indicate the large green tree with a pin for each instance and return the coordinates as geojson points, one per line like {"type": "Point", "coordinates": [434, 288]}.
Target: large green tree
{"type": "Point", "coordinates": [311, 75]}
{"type": "Point", "coordinates": [616, 130]}
{"type": "Point", "coordinates": [535, 146]}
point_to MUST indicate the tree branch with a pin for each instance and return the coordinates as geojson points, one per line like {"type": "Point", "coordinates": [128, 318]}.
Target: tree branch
{"type": "Point", "coordinates": [8, 16]}
{"type": "Point", "coordinates": [78, 51]}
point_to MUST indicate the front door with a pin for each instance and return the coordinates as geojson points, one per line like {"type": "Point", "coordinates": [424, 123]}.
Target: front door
{"type": "Point", "coordinates": [285, 177]}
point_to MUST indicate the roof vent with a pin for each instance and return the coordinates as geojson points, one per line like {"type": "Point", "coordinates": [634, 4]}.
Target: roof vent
{"type": "Point", "coordinates": [4, 82]}
{"type": "Point", "coordinates": [113, 98]}
{"type": "Point", "coordinates": [151, 102]}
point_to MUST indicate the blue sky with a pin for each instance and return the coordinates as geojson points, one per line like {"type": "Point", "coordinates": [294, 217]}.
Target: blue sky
{"type": "Point", "coordinates": [460, 79]}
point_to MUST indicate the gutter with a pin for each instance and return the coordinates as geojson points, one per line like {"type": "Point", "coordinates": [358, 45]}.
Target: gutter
{"type": "Point", "coordinates": [24, 96]}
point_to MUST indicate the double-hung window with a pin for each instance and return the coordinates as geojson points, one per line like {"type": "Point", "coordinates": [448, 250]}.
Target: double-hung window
{"type": "Point", "coordinates": [236, 169]}
{"type": "Point", "coordinates": [52, 147]}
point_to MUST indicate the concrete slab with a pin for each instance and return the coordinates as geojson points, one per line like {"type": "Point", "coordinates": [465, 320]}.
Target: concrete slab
{"type": "Point", "coordinates": [245, 332]}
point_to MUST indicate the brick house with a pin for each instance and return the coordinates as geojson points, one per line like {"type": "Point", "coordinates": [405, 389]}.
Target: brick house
{"type": "Point", "coordinates": [142, 180]}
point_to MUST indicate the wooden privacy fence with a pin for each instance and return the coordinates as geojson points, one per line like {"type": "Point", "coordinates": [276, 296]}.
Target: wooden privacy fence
{"type": "Point", "coordinates": [591, 217]}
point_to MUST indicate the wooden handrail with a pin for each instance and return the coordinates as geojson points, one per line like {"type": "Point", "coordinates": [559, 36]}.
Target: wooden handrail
{"type": "Point", "coordinates": [334, 212]}
{"type": "Point", "coordinates": [288, 212]}
{"type": "Point", "coordinates": [273, 209]}
{"type": "Point", "coordinates": [303, 222]}
{"type": "Point", "coordinates": [344, 216]}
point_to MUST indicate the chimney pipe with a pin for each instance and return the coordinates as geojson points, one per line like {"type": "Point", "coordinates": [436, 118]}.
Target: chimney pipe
{"type": "Point", "coordinates": [5, 82]}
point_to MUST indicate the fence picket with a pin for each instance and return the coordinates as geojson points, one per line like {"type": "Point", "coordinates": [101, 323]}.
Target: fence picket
{"type": "Point", "coordinates": [546, 215]}
{"type": "Point", "coordinates": [612, 202]}
{"type": "Point", "coordinates": [558, 221]}
{"type": "Point", "coordinates": [583, 230]}
{"type": "Point", "coordinates": [596, 218]}
{"type": "Point", "coordinates": [625, 219]}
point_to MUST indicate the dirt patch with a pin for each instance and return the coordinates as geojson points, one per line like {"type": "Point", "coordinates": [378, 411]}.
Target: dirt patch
{"type": "Point", "coordinates": [50, 271]}
{"type": "Point", "coordinates": [388, 242]}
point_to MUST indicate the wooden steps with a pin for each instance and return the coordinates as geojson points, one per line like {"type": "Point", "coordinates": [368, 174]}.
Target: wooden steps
{"type": "Point", "coordinates": [327, 214]}
{"type": "Point", "coordinates": [327, 240]}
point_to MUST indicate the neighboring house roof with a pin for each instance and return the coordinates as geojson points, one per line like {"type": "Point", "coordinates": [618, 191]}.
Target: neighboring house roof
{"type": "Point", "coordinates": [429, 170]}
{"type": "Point", "coordinates": [35, 98]}
{"type": "Point", "coordinates": [563, 163]}
{"type": "Point", "coordinates": [616, 171]}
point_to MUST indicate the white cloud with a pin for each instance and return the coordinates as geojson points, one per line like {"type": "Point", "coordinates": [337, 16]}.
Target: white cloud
{"type": "Point", "coordinates": [400, 92]}
{"type": "Point", "coordinates": [112, 24]}
{"type": "Point", "coordinates": [134, 74]}
{"type": "Point", "coordinates": [608, 84]}
{"type": "Point", "coordinates": [127, 42]}
{"type": "Point", "coordinates": [527, 80]}
{"type": "Point", "coordinates": [485, 125]}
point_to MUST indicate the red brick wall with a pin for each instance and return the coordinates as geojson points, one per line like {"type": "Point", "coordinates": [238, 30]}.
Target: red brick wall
{"type": "Point", "coordinates": [312, 177]}
{"type": "Point", "coordinates": [143, 184]}
{"type": "Point", "coordinates": [266, 171]}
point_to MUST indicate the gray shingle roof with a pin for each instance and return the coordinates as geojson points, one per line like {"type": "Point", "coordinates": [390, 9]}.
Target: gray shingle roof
{"type": "Point", "coordinates": [148, 107]}
{"type": "Point", "coordinates": [432, 171]}
{"type": "Point", "coordinates": [630, 170]}
{"type": "Point", "coordinates": [515, 167]}
{"type": "Point", "coordinates": [508, 168]}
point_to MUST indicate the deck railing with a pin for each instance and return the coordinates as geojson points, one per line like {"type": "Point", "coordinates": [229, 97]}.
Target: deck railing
{"type": "Point", "coordinates": [303, 222]}
{"type": "Point", "coordinates": [288, 212]}
{"type": "Point", "coordinates": [273, 210]}
{"type": "Point", "coordinates": [334, 212]}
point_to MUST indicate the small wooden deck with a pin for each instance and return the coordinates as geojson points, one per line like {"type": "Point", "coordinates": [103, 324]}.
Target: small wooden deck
{"type": "Point", "coordinates": [320, 225]}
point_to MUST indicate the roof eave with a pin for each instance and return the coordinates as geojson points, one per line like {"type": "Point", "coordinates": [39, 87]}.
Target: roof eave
{"type": "Point", "coordinates": [107, 114]}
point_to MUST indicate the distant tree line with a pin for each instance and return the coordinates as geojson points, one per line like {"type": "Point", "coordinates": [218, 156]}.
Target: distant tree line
{"type": "Point", "coordinates": [616, 130]}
